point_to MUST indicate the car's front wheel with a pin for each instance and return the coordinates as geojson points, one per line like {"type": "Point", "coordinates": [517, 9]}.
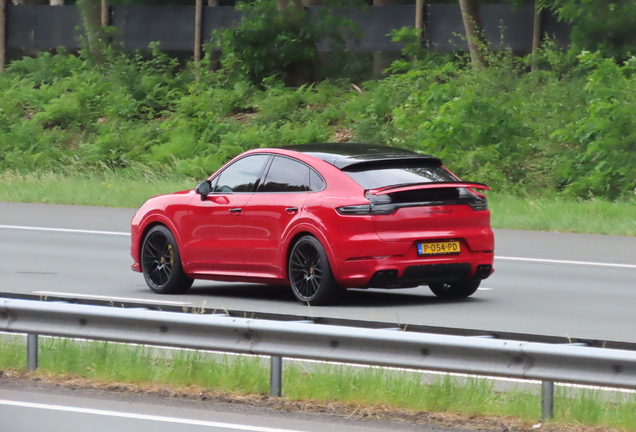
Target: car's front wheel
{"type": "Point", "coordinates": [457, 289]}
{"type": "Point", "coordinates": [310, 274]}
{"type": "Point", "coordinates": [161, 262]}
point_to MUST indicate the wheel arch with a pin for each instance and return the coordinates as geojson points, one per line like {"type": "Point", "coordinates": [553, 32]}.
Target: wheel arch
{"type": "Point", "coordinates": [150, 225]}
{"type": "Point", "coordinates": [291, 244]}
{"type": "Point", "coordinates": [302, 232]}
{"type": "Point", "coordinates": [142, 237]}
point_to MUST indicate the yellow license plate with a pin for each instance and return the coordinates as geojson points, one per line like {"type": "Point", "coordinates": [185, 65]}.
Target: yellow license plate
{"type": "Point", "coordinates": [441, 248]}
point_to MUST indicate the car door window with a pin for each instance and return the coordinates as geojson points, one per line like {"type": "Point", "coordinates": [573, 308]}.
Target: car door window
{"type": "Point", "coordinates": [286, 175]}
{"type": "Point", "coordinates": [241, 176]}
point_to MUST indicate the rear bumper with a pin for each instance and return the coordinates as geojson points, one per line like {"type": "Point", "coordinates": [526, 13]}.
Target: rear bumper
{"type": "Point", "coordinates": [411, 270]}
{"type": "Point", "coordinates": [429, 273]}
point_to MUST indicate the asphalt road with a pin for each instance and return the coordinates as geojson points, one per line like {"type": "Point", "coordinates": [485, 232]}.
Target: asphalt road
{"type": "Point", "coordinates": [25, 407]}
{"type": "Point", "coordinates": [545, 283]}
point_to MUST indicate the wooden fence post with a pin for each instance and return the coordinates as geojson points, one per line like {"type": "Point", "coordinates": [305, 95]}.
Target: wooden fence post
{"type": "Point", "coordinates": [105, 20]}
{"type": "Point", "coordinates": [419, 21]}
{"type": "Point", "coordinates": [536, 35]}
{"type": "Point", "coordinates": [381, 59]}
{"type": "Point", "coordinates": [3, 34]}
{"type": "Point", "coordinates": [198, 12]}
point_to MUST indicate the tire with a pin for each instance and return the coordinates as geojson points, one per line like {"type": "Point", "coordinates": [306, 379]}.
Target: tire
{"type": "Point", "coordinates": [310, 274]}
{"type": "Point", "coordinates": [161, 263]}
{"type": "Point", "coordinates": [458, 289]}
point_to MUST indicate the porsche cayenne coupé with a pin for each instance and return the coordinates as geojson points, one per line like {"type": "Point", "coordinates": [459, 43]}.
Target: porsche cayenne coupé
{"type": "Point", "coordinates": [320, 218]}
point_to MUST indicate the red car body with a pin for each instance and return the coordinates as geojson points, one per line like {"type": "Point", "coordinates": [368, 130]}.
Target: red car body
{"type": "Point", "coordinates": [248, 236]}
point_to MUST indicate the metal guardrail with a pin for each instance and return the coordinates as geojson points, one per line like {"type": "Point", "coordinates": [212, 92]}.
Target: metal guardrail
{"type": "Point", "coordinates": [345, 322]}
{"type": "Point", "coordinates": [570, 363]}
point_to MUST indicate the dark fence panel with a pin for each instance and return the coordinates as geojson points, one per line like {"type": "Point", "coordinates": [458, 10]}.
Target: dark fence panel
{"type": "Point", "coordinates": [43, 27]}
{"type": "Point", "coordinates": [217, 18]}
{"type": "Point", "coordinates": [505, 26]}
{"type": "Point", "coordinates": [444, 28]}
{"type": "Point", "coordinates": [374, 24]}
{"type": "Point", "coordinates": [171, 26]}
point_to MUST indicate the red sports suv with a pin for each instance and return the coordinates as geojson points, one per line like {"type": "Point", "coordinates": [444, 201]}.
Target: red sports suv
{"type": "Point", "coordinates": [320, 218]}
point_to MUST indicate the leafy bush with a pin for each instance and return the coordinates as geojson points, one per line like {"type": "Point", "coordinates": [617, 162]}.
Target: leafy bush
{"type": "Point", "coordinates": [605, 26]}
{"type": "Point", "coordinates": [567, 128]}
{"type": "Point", "coordinates": [602, 141]}
{"type": "Point", "coordinates": [284, 43]}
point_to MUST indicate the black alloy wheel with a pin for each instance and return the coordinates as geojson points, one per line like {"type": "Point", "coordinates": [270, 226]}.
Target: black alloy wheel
{"type": "Point", "coordinates": [457, 289]}
{"type": "Point", "coordinates": [161, 262]}
{"type": "Point", "coordinates": [310, 273]}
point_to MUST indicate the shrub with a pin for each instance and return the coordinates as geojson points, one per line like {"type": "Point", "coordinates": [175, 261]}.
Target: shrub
{"type": "Point", "coordinates": [567, 128]}
{"type": "Point", "coordinates": [272, 43]}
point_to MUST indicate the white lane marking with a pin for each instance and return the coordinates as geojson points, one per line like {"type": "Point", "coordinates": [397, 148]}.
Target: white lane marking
{"type": "Point", "coordinates": [64, 230]}
{"type": "Point", "coordinates": [551, 261]}
{"type": "Point", "coordinates": [539, 260]}
{"type": "Point", "coordinates": [136, 416]}
{"type": "Point", "coordinates": [484, 289]}
{"type": "Point", "coordinates": [98, 297]}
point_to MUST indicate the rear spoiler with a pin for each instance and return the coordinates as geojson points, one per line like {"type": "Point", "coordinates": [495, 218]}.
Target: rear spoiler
{"type": "Point", "coordinates": [429, 185]}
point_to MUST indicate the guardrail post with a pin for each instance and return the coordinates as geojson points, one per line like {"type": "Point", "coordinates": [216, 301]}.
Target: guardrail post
{"type": "Point", "coordinates": [32, 352]}
{"type": "Point", "coordinates": [547, 400]}
{"type": "Point", "coordinates": [276, 376]}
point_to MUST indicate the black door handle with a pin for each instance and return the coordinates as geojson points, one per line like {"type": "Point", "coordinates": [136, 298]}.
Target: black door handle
{"type": "Point", "coordinates": [291, 209]}
{"type": "Point", "coordinates": [236, 210]}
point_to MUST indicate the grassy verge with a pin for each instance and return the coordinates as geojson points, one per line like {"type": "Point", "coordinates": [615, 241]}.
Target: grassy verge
{"type": "Point", "coordinates": [104, 189]}
{"type": "Point", "coordinates": [131, 189]}
{"type": "Point", "coordinates": [563, 215]}
{"type": "Point", "coordinates": [365, 388]}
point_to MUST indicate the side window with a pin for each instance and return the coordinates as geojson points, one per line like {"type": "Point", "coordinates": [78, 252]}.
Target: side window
{"type": "Point", "coordinates": [286, 175]}
{"type": "Point", "coordinates": [316, 182]}
{"type": "Point", "coordinates": [241, 176]}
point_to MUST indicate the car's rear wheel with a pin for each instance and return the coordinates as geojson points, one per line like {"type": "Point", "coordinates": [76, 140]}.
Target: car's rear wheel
{"type": "Point", "coordinates": [457, 289]}
{"type": "Point", "coordinates": [161, 262]}
{"type": "Point", "coordinates": [310, 274]}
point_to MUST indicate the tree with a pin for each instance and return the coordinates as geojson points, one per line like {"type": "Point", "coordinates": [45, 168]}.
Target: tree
{"type": "Point", "coordinates": [606, 26]}
{"type": "Point", "coordinates": [297, 72]}
{"type": "Point", "coordinates": [3, 34]}
{"type": "Point", "coordinates": [381, 59]}
{"type": "Point", "coordinates": [474, 32]}
{"type": "Point", "coordinates": [95, 33]}
{"type": "Point", "coordinates": [277, 38]}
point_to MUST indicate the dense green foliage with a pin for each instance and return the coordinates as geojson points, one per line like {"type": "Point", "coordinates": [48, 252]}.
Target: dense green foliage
{"type": "Point", "coordinates": [567, 128]}
{"type": "Point", "coordinates": [606, 26]}
{"type": "Point", "coordinates": [270, 43]}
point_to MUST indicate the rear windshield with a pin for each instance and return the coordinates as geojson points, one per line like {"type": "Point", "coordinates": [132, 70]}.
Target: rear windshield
{"type": "Point", "coordinates": [375, 178]}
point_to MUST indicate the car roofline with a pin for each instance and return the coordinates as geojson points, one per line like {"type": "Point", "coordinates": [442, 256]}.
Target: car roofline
{"type": "Point", "coordinates": [365, 157]}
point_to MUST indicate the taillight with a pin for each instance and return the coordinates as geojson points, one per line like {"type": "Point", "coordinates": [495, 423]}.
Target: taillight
{"type": "Point", "coordinates": [366, 210]}
{"type": "Point", "coordinates": [479, 205]}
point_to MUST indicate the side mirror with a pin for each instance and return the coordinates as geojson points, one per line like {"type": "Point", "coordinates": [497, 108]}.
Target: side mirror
{"type": "Point", "coordinates": [204, 189]}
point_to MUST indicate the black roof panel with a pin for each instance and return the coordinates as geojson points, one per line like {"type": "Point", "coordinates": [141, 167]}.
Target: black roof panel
{"type": "Point", "coordinates": [343, 155]}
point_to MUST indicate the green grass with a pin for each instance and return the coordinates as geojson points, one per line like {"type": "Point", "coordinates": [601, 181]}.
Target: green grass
{"type": "Point", "coordinates": [563, 215]}
{"type": "Point", "coordinates": [132, 188]}
{"type": "Point", "coordinates": [104, 189]}
{"type": "Point", "coordinates": [117, 363]}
